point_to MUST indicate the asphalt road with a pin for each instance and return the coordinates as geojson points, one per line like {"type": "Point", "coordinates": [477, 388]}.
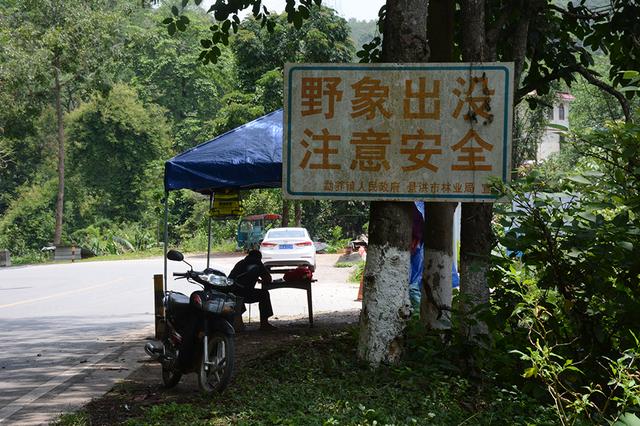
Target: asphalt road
{"type": "Point", "coordinates": [68, 331]}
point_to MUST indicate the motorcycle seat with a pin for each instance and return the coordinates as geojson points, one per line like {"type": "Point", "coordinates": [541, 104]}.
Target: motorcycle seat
{"type": "Point", "coordinates": [177, 301]}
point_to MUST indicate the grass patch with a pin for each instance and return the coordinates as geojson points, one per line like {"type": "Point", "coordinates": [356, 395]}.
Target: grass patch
{"type": "Point", "coordinates": [29, 258]}
{"type": "Point", "coordinates": [130, 255]}
{"type": "Point", "coordinates": [34, 258]}
{"type": "Point", "coordinates": [319, 381]}
{"type": "Point", "coordinates": [356, 275]}
{"type": "Point", "coordinates": [346, 264]}
{"type": "Point", "coordinates": [79, 418]}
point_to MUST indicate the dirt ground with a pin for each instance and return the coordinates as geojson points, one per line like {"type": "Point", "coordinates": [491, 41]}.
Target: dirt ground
{"type": "Point", "coordinates": [143, 388]}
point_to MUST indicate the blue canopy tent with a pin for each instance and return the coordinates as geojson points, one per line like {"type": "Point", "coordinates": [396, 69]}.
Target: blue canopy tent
{"type": "Point", "coordinates": [247, 157]}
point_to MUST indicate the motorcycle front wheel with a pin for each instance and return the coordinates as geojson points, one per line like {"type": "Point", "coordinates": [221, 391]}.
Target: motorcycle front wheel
{"type": "Point", "coordinates": [216, 375]}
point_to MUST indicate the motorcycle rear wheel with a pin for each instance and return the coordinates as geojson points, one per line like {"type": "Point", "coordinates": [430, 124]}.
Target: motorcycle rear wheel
{"type": "Point", "coordinates": [170, 377]}
{"type": "Point", "coordinates": [170, 374]}
{"type": "Point", "coordinates": [216, 377]}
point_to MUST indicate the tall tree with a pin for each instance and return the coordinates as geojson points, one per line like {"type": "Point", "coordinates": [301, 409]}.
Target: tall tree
{"type": "Point", "coordinates": [165, 71]}
{"type": "Point", "coordinates": [475, 227]}
{"type": "Point", "coordinates": [64, 40]}
{"type": "Point", "coordinates": [386, 305]}
{"type": "Point", "coordinates": [133, 136]}
{"type": "Point", "coordinates": [435, 304]}
{"type": "Point", "coordinates": [323, 37]}
{"type": "Point", "coordinates": [547, 43]}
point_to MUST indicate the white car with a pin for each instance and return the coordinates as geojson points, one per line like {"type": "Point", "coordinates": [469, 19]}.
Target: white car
{"type": "Point", "coordinates": [288, 247]}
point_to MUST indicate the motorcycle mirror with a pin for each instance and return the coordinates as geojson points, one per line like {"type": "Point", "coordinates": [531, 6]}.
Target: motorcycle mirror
{"type": "Point", "coordinates": [175, 255]}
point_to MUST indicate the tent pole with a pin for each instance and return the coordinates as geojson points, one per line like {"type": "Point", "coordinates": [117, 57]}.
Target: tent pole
{"type": "Point", "coordinates": [166, 235]}
{"type": "Point", "coordinates": [209, 238]}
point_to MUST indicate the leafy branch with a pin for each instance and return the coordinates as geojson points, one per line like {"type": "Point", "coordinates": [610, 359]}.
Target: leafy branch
{"type": "Point", "coordinates": [226, 14]}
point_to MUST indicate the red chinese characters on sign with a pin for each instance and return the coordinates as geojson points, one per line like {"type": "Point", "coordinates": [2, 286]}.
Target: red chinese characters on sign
{"type": "Point", "coordinates": [479, 103]}
{"type": "Point", "coordinates": [315, 91]}
{"type": "Point", "coordinates": [418, 154]}
{"type": "Point", "coordinates": [371, 151]}
{"type": "Point", "coordinates": [421, 98]}
{"type": "Point", "coordinates": [320, 146]}
{"type": "Point", "coordinates": [470, 157]}
{"type": "Point", "coordinates": [369, 97]}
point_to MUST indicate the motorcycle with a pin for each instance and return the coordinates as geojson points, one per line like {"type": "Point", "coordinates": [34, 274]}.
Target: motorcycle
{"type": "Point", "coordinates": [198, 335]}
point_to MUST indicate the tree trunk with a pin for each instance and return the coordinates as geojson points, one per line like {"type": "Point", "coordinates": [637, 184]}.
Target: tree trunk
{"type": "Point", "coordinates": [298, 212]}
{"type": "Point", "coordinates": [386, 307]}
{"type": "Point", "coordinates": [57, 237]}
{"type": "Point", "coordinates": [285, 212]}
{"type": "Point", "coordinates": [475, 231]}
{"type": "Point", "coordinates": [435, 304]}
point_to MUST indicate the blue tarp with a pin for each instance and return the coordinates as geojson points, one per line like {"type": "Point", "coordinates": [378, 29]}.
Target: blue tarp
{"type": "Point", "coordinates": [249, 156]}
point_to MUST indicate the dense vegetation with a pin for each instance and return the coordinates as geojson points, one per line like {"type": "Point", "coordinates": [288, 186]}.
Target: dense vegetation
{"type": "Point", "coordinates": [132, 96]}
{"type": "Point", "coordinates": [565, 305]}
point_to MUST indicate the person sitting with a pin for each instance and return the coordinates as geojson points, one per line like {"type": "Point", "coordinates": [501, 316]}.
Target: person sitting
{"type": "Point", "coordinates": [245, 273]}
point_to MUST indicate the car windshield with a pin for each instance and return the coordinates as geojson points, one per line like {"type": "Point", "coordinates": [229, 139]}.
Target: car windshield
{"type": "Point", "coordinates": [286, 233]}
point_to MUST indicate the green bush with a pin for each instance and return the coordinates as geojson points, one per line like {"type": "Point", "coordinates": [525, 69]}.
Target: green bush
{"type": "Point", "coordinates": [105, 238]}
{"type": "Point", "coordinates": [567, 297]}
{"type": "Point", "coordinates": [28, 224]}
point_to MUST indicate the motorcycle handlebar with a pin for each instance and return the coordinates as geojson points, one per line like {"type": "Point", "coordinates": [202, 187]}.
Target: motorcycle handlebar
{"type": "Point", "coordinates": [195, 276]}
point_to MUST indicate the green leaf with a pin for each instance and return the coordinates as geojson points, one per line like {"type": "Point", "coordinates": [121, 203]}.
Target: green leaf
{"type": "Point", "coordinates": [175, 11]}
{"type": "Point", "coordinates": [185, 3]}
{"type": "Point", "coordinates": [171, 28]}
{"type": "Point", "coordinates": [530, 372]}
{"type": "Point", "coordinates": [167, 21]}
{"type": "Point", "coordinates": [206, 43]}
{"type": "Point", "coordinates": [558, 127]}
{"type": "Point", "coordinates": [579, 179]}
{"type": "Point", "coordinates": [625, 245]}
{"type": "Point", "coordinates": [197, 2]}
{"type": "Point", "coordinates": [588, 216]}
{"type": "Point", "coordinates": [185, 19]}
{"type": "Point", "coordinates": [628, 419]}
{"type": "Point", "coordinates": [181, 26]}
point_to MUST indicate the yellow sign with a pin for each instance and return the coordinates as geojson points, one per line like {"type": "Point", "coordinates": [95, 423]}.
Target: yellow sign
{"type": "Point", "coordinates": [226, 205]}
{"type": "Point", "coordinates": [436, 132]}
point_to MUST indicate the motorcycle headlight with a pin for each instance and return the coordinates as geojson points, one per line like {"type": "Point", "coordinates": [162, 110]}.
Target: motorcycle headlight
{"type": "Point", "coordinates": [217, 280]}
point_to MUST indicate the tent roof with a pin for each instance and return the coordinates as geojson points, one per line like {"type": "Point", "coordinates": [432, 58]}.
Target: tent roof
{"type": "Point", "coordinates": [249, 156]}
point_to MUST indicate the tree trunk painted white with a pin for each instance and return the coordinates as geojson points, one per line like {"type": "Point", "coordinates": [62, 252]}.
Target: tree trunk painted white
{"type": "Point", "coordinates": [435, 306]}
{"type": "Point", "coordinates": [435, 303]}
{"type": "Point", "coordinates": [386, 306]}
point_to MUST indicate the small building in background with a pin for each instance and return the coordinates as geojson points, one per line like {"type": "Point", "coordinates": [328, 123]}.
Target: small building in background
{"type": "Point", "coordinates": [552, 140]}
